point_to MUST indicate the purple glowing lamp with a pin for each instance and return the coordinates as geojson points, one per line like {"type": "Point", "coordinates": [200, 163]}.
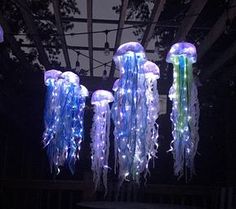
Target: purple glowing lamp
{"type": "Point", "coordinates": [100, 136]}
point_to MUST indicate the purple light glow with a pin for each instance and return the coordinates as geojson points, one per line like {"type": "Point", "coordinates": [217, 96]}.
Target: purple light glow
{"type": "Point", "coordinates": [100, 136]}
{"type": "Point", "coordinates": [51, 75]}
{"type": "Point", "coordinates": [101, 97]}
{"type": "Point", "coordinates": [151, 70]}
{"type": "Point", "coordinates": [70, 77]}
{"type": "Point", "coordinates": [183, 48]}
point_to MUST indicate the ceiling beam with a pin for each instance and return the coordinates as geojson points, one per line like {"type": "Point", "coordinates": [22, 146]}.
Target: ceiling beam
{"type": "Point", "coordinates": [14, 44]}
{"type": "Point", "coordinates": [156, 12]}
{"type": "Point", "coordinates": [217, 29]}
{"type": "Point", "coordinates": [90, 35]}
{"type": "Point", "coordinates": [190, 17]}
{"type": "Point", "coordinates": [82, 48]}
{"type": "Point", "coordinates": [119, 32]}
{"type": "Point", "coordinates": [115, 22]}
{"type": "Point", "coordinates": [56, 8]}
{"type": "Point", "coordinates": [228, 54]}
{"type": "Point", "coordinates": [32, 30]}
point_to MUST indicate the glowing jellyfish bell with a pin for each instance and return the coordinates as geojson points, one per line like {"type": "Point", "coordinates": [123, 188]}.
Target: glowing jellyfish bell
{"type": "Point", "coordinates": [100, 136]}
{"type": "Point", "coordinates": [84, 91]}
{"type": "Point", "coordinates": [70, 77]}
{"type": "Point", "coordinates": [51, 76]}
{"type": "Point", "coordinates": [183, 48]}
{"type": "Point", "coordinates": [130, 49]}
{"type": "Point", "coordinates": [151, 70]}
{"type": "Point", "coordinates": [185, 108]}
{"type": "Point", "coordinates": [1, 34]}
{"type": "Point", "coordinates": [101, 98]}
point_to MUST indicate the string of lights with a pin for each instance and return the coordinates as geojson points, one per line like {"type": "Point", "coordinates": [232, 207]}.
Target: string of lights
{"type": "Point", "coordinates": [105, 64]}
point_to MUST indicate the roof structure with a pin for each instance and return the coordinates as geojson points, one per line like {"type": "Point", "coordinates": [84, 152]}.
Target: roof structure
{"type": "Point", "coordinates": [209, 24]}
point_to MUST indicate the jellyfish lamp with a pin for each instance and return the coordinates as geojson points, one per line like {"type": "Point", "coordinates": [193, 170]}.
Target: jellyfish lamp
{"type": "Point", "coordinates": [63, 118]}
{"type": "Point", "coordinates": [129, 113]}
{"type": "Point", "coordinates": [152, 73]}
{"type": "Point", "coordinates": [185, 108]}
{"type": "Point", "coordinates": [100, 136]}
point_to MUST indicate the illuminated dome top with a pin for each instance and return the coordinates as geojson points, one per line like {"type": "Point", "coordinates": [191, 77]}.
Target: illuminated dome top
{"type": "Point", "coordinates": [100, 97]}
{"type": "Point", "coordinates": [70, 77]}
{"type": "Point", "coordinates": [182, 48]}
{"type": "Point", "coordinates": [151, 70]}
{"type": "Point", "coordinates": [131, 49]}
{"type": "Point", "coordinates": [129, 46]}
{"type": "Point", "coordinates": [51, 75]}
{"type": "Point", "coordinates": [83, 91]}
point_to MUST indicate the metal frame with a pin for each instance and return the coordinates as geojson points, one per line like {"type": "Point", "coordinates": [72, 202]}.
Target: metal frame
{"type": "Point", "coordinates": [217, 29]}
{"type": "Point", "coordinates": [90, 35]}
{"type": "Point", "coordinates": [119, 32]}
{"type": "Point", "coordinates": [56, 8]}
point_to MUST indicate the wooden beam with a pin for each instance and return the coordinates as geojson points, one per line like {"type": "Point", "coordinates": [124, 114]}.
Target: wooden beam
{"type": "Point", "coordinates": [218, 63]}
{"type": "Point", "coordinates": [156, 12]}
{"type": "Point", "coordinates": [56, 8]}
{"type": "Point", "coordinates": [15, 46]}
{"type": "Point", "coordinates": [115, 22]}
{"type": "Point", "coordinates": [217, 30]}
{"type": "Point", "coordinates": [32, 29]}
{"type": "Point", "coordinates": [192, 14]}
{"type": "Point", "coordinates": [82, 48]}
{"type": "Point", "coordinates": [90, 35]}
{"type": "Point", "coordinates": [119, 32]}
{"type": "Point", "coordinates": [121, 23]}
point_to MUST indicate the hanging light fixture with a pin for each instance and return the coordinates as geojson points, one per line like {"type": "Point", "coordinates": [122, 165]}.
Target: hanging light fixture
{"type": "Point", "coordinates": [156, 46]}
{"type": "Point", "coordinates": [77, 64]}
{"type": "Point", "coordinates": [104, 75]}
{"type": "Point", "coordinates": [106, 45]}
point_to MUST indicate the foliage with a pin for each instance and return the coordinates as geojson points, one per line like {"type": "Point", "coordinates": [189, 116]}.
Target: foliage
{"type": "Point", "coordinates": [46, 29]}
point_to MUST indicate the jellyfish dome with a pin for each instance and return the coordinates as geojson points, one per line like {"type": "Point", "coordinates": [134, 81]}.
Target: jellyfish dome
{"type": "Point", "coordinates": [128, 51]}
{"type": "Point", "coordinates": [100, 136]}
{"type": "Point", "coordinates": [183, 48]}
{"type": "Point", "coordinates": [100, 97]}
{"type": "Point", "coordinates": [151, 70]}
{"type": "Point", "coordinates": [70, 77]}
{"type": "Point", "coordinates": [84, 91]}
{"type": "Point", "coordinates": [51, 75]}
{"type": "Point", "coordinates": [1, 34]}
